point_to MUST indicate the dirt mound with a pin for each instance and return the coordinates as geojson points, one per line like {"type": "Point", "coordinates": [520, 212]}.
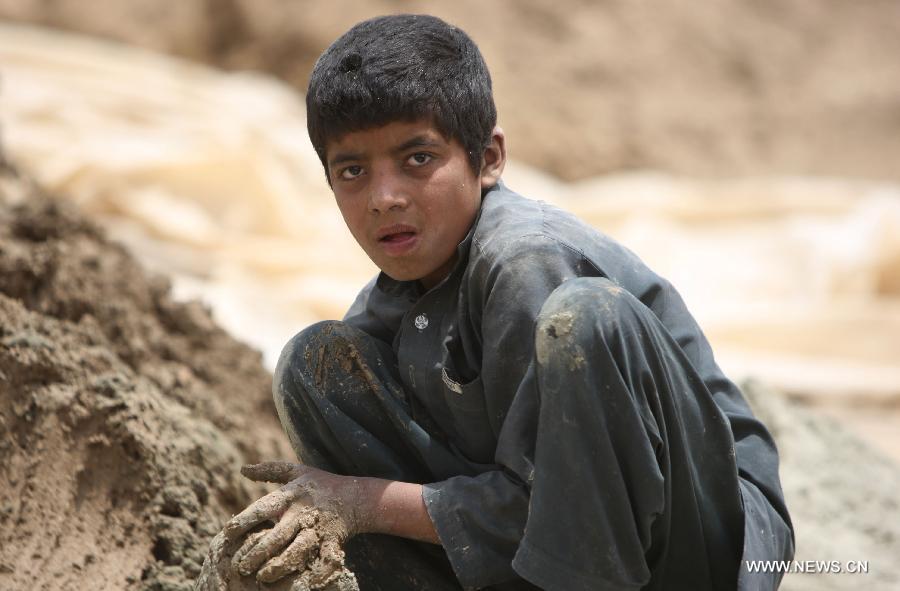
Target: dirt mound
{"type": "Point", "coordinates": [585, 88]}
{"type": "Point", "coordinates": [124, 416]}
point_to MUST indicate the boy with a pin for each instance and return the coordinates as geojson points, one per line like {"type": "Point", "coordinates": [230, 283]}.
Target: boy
{"type": "Point", "coordinates": [516, 401]}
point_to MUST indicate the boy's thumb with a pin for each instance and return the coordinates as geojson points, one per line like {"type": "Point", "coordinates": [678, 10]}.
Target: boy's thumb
{"type": "Point", "coordinates": [282, 472]}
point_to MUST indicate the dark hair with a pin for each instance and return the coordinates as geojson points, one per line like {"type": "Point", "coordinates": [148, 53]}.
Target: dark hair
{"type": "Point", "coordinates": [402, 68]}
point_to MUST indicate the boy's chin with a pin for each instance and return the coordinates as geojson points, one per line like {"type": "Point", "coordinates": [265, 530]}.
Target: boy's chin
{"type": "Point", "coordinates": [402, 275]}
{"type": "Point", "coordinates": [427, 274]}
{"type": "Point", "coordinates": [406, 275]}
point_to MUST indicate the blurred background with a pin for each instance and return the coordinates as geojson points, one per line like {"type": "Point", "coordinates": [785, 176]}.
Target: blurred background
{"type": "Point", "coordinates": [748, 151]}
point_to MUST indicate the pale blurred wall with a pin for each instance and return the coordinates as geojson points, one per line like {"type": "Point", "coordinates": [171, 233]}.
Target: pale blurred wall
{"type": "Point", "coordinates": [711, 88]}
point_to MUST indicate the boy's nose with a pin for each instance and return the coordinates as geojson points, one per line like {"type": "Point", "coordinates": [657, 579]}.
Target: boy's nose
{"type": "Point", "coordinates": [386, 193]}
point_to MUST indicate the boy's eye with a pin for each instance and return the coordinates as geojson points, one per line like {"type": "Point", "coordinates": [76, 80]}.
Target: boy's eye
{"type": "Point", "coordinates": [420, 159]}
{"type": "Point", "coordinates": [351, 172]}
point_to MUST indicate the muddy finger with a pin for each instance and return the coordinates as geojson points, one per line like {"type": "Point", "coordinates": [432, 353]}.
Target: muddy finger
{"type": "Point", "coordinates": [271, 542]}
{"type": "Point", "coordinates": [247, 546]}
{"type": "Point", "coordinates": [268, 508]}
{"type": "Point", "coordinates": [294, 558]}
{"type": "Point", "coordinates": [282, 472]}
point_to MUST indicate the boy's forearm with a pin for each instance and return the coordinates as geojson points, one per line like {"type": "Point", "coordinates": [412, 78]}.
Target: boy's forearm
{"type": "Point", "coordinates": [394, 508]}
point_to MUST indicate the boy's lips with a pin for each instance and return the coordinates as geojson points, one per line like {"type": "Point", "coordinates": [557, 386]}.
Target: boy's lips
{"type": "Point", "coordinates": [397, 239]}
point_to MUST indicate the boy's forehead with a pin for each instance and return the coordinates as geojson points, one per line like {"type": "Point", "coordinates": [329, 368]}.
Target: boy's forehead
{"type": "Point", "coordinates": [393, 135]}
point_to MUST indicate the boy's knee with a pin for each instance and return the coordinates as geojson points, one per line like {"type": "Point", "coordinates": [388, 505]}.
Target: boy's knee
{"type": "Point", "coordinates": [307, 350]}
{"type": "Point", "coordinates": [578, 312]}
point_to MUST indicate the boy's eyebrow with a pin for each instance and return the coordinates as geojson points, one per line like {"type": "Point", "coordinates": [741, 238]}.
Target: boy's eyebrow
{"type": "Point", "coordinates": [419, 141]}
{"type": "Point", "coordinates": [342, 157]}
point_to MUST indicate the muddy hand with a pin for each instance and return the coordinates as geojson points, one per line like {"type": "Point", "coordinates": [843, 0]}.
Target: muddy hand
{"type": "Point", "coordinates": [281, 472]}
{"type": "Point", "coordinates": [313, 515]}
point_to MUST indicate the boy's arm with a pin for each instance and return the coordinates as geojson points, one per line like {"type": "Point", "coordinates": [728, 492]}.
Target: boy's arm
{"type": "Point", "coordinates": [391, 507]}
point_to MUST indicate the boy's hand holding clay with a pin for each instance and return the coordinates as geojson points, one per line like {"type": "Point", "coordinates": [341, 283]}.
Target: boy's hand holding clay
{"type": "Point", "coordinates": [314, 513]}
{"type": "Point", "coordinates": [311, 519]}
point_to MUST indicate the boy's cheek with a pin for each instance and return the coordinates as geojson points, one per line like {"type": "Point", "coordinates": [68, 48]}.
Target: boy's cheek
{"type": "Point", "coordinates": [354, 222]}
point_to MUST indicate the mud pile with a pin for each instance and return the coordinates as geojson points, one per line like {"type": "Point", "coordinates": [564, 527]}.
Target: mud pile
{"type": "Point", "coordinates": [124, 416]}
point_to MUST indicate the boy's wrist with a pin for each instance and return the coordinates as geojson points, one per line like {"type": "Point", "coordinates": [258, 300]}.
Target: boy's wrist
{"type": "Point", "coordinates": [361, 497]}
{"type": "Point", "coordinates": [389, 507]}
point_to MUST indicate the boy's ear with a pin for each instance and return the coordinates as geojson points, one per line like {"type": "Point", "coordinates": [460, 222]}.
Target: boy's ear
{"type": "Point", "coordinates": [494, 159]}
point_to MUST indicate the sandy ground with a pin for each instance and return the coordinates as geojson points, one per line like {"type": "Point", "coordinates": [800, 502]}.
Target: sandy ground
{"type": "Point", "coordinates": [841, 493]}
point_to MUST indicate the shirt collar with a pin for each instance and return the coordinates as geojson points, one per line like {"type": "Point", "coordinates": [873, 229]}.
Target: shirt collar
{"type": "Point", "coordinates": [413, 290]}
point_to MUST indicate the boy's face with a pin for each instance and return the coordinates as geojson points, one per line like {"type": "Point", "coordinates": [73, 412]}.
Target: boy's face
{"type": "Point", "coordinates": [408, 196]}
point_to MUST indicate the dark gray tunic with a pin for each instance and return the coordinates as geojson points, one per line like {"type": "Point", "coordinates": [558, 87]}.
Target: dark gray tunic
{"type": "Point", "coordinates": [673, 490]}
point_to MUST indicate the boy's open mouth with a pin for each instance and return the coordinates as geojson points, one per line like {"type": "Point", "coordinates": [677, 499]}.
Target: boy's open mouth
{"type": "Point", "coordinates": [395, 233]}
{"type": "Point", "coordinates": [397, 237]}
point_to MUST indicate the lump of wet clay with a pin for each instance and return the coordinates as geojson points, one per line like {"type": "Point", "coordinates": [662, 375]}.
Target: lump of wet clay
{"type": "Point", "coordinates": [325, 569]}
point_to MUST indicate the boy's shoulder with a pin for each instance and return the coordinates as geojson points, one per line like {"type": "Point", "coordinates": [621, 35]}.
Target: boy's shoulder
{"type": "Point", "coordinates": [520, 243]}
{"type": "Point", "coordinates": [512, 226]}
{"type": "Point", "coordinates": [508, 220]}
